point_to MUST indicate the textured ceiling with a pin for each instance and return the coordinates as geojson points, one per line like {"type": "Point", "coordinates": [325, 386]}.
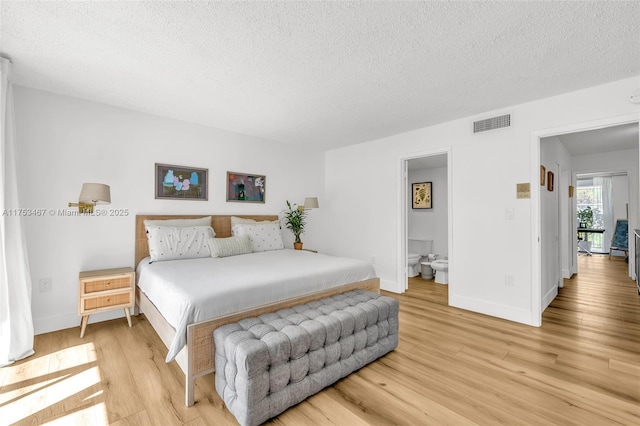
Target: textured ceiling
{"type": "Point", "coordinates": [319, 74]}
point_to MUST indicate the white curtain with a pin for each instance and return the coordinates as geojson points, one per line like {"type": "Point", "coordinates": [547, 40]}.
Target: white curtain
{"type": "Point", "coordinates": [608, 221]}
{"type": "Point", "coordinates": [16, 322]}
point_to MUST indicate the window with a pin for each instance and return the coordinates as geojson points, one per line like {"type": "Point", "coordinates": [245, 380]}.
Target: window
{"type": "Point", "coordinates": [589, 195]}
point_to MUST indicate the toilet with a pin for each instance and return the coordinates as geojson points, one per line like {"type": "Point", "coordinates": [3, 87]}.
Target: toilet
{"type": "Point", "coordinates": [442, 270]}
{"type": "Point", "coordinates": [418, 248]}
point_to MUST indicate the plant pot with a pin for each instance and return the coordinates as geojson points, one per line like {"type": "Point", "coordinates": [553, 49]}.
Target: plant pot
{"type": "Point", "coordinates": [297, 246]}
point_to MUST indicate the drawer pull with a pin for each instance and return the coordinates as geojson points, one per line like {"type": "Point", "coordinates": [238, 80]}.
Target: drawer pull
{"type": "Point", "coordinates": [107, 284]}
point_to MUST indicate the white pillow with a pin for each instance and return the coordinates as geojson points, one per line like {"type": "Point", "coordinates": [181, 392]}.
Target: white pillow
{"type": "Point", "coordinates": [174, 242]}
{"type": "Point", "coordinates": [235, 220]}
{"type": "Point", "coordinates": [264, 237]}
{"type": "Point", "coordinates": [179, 223]}
{"type": "Point", "coordinates": [232, 246]}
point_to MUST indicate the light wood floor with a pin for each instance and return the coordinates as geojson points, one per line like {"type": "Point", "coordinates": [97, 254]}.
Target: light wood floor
{"type": "Point", "coordinates": [452, 367]}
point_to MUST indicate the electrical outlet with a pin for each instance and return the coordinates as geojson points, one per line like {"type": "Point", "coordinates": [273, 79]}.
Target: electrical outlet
{"type": "Point", "coordinates": [45, 285]}
{"type": "Point", "coordinates": [508, 280]}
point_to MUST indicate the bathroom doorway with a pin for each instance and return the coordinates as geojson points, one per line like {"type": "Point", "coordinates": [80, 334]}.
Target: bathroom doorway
{"type": "Point", "coordinates": [431, 222]}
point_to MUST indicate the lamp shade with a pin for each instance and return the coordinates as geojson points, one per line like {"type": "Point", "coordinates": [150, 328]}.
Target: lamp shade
{"type": "Point", "coordinates": [96, 193]}
{"type": "Point", "coordinates": [311, 203]}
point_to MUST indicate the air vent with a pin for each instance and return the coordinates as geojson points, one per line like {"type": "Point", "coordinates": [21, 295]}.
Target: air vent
{"type": "Point", "coordinates": [492, 123]}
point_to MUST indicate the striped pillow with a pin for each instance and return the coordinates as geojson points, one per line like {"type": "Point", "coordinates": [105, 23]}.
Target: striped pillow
{"type": "Point", "coordinates": [232, 246]}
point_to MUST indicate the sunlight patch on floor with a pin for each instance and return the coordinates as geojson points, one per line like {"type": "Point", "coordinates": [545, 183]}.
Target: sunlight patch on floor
{"type": "Point", "coordinates": [44, 383]}
{"type": "Point", "coordinates": [73, 385]}
{"type": "Point", "coordinates": [92, 415]}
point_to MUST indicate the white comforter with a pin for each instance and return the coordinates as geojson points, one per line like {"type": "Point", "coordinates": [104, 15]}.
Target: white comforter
{"type": "Point", "coordinates": [188, 291]}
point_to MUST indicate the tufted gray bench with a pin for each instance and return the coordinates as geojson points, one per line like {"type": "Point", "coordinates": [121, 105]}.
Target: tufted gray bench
{"type": "Point", "coordinates": [267, 364]}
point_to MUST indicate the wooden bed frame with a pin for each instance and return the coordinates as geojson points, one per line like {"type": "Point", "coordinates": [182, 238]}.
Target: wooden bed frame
{"type": "Point", "coordinates": [197, 357]}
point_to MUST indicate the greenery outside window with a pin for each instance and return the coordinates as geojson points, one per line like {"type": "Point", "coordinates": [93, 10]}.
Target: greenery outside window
{"type": "Point", "coordinates": [589, 198]}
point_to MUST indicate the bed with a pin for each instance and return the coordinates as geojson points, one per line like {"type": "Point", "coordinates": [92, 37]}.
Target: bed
{"type": "Point", "coordinates": [190, 341]}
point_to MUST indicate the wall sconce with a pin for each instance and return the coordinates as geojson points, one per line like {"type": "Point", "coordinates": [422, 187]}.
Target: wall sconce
{"type": "Point", "coordinates": [309, 203]}
{"type": "Point", "coordinates": [92, 194]}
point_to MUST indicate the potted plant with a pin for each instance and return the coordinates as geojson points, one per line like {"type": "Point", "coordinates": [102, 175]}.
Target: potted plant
{"type": "Point", "coordinates": [585, 221]}
{"type": "Point", "coordinates": [295, 217]}
{"type": "Point", "coordinates": [585, 218]}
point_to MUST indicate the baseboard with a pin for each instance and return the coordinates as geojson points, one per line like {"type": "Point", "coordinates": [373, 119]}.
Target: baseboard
{"type": "Point", "coordinates": [61, 322]}
{"type": "Point", "coordinates": [390, 286]}
{"type": "Point", "coordinates": [548, 297]}
{"type": "Point", "coordinates": [509, 313]}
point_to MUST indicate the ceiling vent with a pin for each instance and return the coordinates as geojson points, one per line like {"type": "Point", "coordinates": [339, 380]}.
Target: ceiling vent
{"type": "Point", "coordinates": [492, 123]}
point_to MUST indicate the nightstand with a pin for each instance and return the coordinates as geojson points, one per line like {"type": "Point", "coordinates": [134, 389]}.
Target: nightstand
{"type": "Point", "coordinates": [104, 290]}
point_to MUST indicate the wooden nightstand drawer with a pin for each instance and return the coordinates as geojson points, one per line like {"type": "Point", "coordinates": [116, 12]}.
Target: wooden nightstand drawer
{"type": "Point", "coordinates": [104, 290]}
{"type": "Point", "coordinates": [108, 284]}
{"type": "Point", "coordinates": [115, 300]}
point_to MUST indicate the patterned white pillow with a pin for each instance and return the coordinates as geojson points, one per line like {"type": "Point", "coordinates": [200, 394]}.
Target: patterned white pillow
{"type": "Point", "coordinates": [235, 220]}
{"type": "Point", "coordinates": [179, 223]}
{"type": "Point", "coordinates": [232, 246]}
{"type": "Point", "coordinates": [263, 237]}
{"type": "Point", "coordinates": [173, 242]}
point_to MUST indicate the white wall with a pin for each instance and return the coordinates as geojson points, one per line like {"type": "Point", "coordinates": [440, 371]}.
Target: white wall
{"type": "Point", "coordinates": [485, 169]}
{"type": "Point", "coordinates": [431, 223]}
{"type": "Point", "coordinates": [557, 234]}
{"type": "Point", "coordinates": [552, 152]}
{"type": "Point", "coordinates": [63, 142]}
{"type": "Point", "coordinates": [620, 189]}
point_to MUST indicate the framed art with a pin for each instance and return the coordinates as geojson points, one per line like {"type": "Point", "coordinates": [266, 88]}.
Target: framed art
{"type": "Point", "coordinates": [550, 181]}
{"type": "Point", "coordinates": [543, 174]}
{"type": "Point", "coordinates": [421, 195]}
{"type": "Point", "coordinates": [180, 182]}
{"type": "Point", "coordinates": [244, 187]}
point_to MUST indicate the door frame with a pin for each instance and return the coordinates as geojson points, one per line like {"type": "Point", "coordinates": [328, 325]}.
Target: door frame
{"type": "Point", "coordinates": [403, 209]}
{"type": "Point", "coordinates": [536, 263]}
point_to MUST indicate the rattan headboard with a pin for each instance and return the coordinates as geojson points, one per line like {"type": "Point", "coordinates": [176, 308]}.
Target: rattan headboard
{"type": "Point", "coordinates": [220, 223]}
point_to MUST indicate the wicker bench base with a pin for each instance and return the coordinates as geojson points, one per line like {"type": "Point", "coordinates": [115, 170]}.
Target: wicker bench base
{"type": "Point", "coordinates": [267, 364]}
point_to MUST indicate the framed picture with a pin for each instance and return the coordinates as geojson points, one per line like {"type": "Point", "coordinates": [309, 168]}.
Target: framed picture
{"type": "Point", "coordinates": [421, 195]}
{"type": "Point", "coordinates": [550, 181]}
{"type": "Point", "coordinates": [244, 187]}
{"type": "Point", "coordinates": [543, 174]}
{"type": "Point", "coordinates": [180, 182]}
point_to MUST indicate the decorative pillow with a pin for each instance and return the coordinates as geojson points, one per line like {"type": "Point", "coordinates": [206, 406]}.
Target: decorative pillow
{"type": "Point", "coordinates": [178, 223]}
{"type": "Point", "coordinates": [264, 237]}
{"type": "Point", "coordinates": [232, 246]}
{"type": "Point", "coordinates": [174, 242]}
{"type": "Point", "coordinates": [235, 220]}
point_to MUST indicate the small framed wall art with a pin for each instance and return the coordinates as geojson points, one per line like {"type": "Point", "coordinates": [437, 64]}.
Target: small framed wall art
{"type": "Point", "coordinates": [421, 195]}
{"type": "Point", "coordinates": [550, 181]}
{"type": "Point", "coordinates": [180, 182]}
{"type": "Point", "coordinates": [244, 187]}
